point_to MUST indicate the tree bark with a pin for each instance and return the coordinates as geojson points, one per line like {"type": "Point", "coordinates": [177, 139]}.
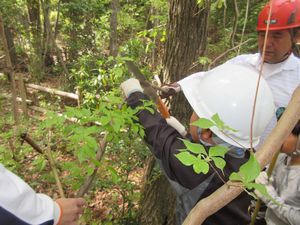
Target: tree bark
{"type": "Point", "coordinates": [186, 42]}
{"type": "Point", "coordinates": [10, 72]}
{"type": "Point", "coordinates": [157, 198]}
{"type": "Point", "coordinates": [113, 42]}
{"type": "Point", "coordinates": [11, 46]}
{"type": "Point", "coordinates": [36, 41]}
{"type": "Point", "coordinates": [47, 34]}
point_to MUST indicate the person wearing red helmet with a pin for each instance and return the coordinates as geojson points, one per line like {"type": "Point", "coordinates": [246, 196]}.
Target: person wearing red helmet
{"type": "Point", "coordinates": [283, 26]}
{"type": "Point", "coordinates": [281, 68]}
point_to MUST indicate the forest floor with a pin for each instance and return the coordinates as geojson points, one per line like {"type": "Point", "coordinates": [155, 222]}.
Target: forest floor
{"type": "Point", "coordinates": [102, 202]}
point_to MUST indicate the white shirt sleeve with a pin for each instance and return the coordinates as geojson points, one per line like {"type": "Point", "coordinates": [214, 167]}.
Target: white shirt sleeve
{"type": "Point", "coordinates": [19, 202]}
{"type": "Point", "coordinates": [286, 213]}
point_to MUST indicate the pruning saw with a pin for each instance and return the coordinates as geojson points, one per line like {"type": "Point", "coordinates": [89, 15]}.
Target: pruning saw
{"type": "Point", "coordinates": [148, 89]}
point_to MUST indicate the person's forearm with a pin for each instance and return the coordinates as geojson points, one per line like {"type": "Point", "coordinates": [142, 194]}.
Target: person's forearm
{"type": "Point", "coordinates": [20, 203]}
{"type": "Point", "coordinates": [164, 142]}
{"type": "Point", "coordinates": [286, 213]}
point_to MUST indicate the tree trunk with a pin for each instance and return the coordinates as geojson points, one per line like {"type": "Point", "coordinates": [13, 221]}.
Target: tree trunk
{"type": "Point", "coordinates": [186, 42]}
{"type": "Point", "coordinates": [47, 34]}
{"type": "Point", "coordinates": [11, 46]}
{"type": "Point", "coordinates": [157, 198]}
{"type": "Point", "coordinates": [36, 59]}
{"type": "Point", "coordinates": [10, 71]}
{"type": "Point", "coordinates": [113, 42]}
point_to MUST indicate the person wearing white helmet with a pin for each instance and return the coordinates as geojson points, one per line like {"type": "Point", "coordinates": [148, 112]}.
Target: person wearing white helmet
{"type": "Point", "coordinates": [281, 68]}
{"type": "Point", "coordinates": [226, 90]}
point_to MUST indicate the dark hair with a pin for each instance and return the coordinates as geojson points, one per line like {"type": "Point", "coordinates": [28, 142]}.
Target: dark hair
{"type": "Point", "coordinates": [295, 46]}
{"type": "Point", "coordinates": [296, 129]}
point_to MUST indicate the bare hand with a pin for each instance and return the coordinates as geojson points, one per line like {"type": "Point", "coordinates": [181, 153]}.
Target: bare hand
{"type": "Point", "coordinates": [71, 209]}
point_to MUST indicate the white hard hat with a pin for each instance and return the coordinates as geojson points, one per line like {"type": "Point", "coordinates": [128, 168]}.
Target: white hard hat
{"type": "Point", "coordinates": [229, 91]}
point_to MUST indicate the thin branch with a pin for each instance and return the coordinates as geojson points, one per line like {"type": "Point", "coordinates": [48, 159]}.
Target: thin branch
{"type": "Point", "coordinates": [236, 16]}
{"type": "Point", "coordinates": [52, 165]}
{"type": "Point", "coordinates": [50, 159]}
{"type": "Point", "coordinates": [244, 26]}
{"type": "Point", "coordinates": [88, 182]}
{"type": "Point", "coordinates": [28, 139]}
{"type": "Point", "coordinates": [259, 77]}
{"type": "Point", "coordinates": [225, 53]}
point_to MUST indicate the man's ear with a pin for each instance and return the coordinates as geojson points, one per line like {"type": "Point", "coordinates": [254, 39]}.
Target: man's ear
{"type": "Point", "coordinates": [194, 129]}
{"type": "Point", "coordinates": [297, 37]}
{"type": "Point", "coordinates": [206, 134]}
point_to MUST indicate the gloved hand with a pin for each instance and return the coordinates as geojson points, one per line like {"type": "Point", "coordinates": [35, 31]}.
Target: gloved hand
{"type": "Point", "coordinates": [173, 122]}
{"type": "Point", "coordinates": [263, 179]}
{"type": "Point", "coordinates": [130, 86]}
{"type": "Point", "coordinates": [168, 90]}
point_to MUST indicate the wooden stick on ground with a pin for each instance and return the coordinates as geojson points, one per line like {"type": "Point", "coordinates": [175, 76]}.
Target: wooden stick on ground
{"type": "Point", "coordinates": [26, 138]}
{"type": "Point", "coordinates": [53, 91]}
{"type": "Point", "coordinates": [225, 194]}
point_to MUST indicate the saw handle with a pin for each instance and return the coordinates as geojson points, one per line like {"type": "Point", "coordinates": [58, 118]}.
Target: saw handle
{"type": "Point", "coordinates": [162, 108]}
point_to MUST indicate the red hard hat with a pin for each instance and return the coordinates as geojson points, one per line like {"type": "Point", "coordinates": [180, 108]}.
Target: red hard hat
{"type": "Point", "coordinates": [285, 15]}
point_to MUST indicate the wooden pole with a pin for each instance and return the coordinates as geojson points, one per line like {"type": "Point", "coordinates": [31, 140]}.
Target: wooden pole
{"type": "Point", "coordinates": [10, 72]}
{"type": "Point", "coordinates": [225, 194]}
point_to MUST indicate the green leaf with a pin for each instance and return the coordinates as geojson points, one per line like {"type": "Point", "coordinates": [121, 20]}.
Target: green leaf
{"type": "Point", "coordinates": [263, 190]}
{"type": "Point", "coordinates": [260, 187]}
{"type": "Point", "coordinates": [186, 158]}
{"type": "Point", "coordinates": [251, 169]}
{"type": "Point", "coordinates": [219, 162]}
{"type": "Point", "coordinates": [114, 175]}
{"type": "Point", "coordinates": [220, 124]}
{"type": "Point", "coordinates": [193, 147]}
{"type": "Point", "coordinates": [118, 72]}
{"type": "Point", "coordinates": [91, 142]}
{"type": "Point", "coordinates": [200, 166]}
{"type": "Point", "coordinates": [203, 123]}
{"type": "Point", "coordinates": [200, 3]}
{"type": "Point", "coordinates": [89, 171]}
{"type": "Point", "coordinates": [104, 120]}
{"type": "Point", "coordinates": [235, 177]}
{"type": "Point", "coordinates": [217, 151]}
{"type": "Point", "coordinates": [217, 120]}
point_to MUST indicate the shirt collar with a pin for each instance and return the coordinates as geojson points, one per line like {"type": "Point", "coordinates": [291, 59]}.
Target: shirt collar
{"type": "Point", "coordinates": [289, 64]}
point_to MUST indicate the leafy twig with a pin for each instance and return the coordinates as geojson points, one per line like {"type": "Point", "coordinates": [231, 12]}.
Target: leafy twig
{"type": "Point", "coordinates": [87, 184]}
